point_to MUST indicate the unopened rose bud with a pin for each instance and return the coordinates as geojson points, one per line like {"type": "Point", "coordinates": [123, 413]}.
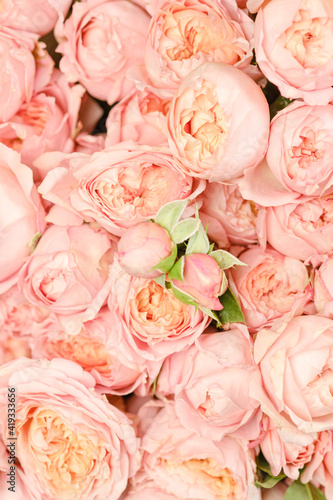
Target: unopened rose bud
{"type": "Point", "coordinates": [203, 280]}
{"type": "Point", "coordinates": [143, 247]}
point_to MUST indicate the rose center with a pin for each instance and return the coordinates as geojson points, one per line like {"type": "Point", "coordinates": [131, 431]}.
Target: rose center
{"type": "Point", "coordinates": [306, 152]}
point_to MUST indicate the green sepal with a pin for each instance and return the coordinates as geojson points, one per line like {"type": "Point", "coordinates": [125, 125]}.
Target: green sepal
{"type": "Point", "coordinates": [184, 230]}
{"type": "Point", "coordinates": [231, 312]}
{"type": "Point", "coordinates": [169, 214]}
{"type": "Point", "coordinates": [299, 491]}
{"type": "Point", "coordinates": [225, 259]}
{"type": "Point", "coordinates": [265, 477]}
{"type": "Point", "coordinates": [199, 242]}
{"type": "Point", "coordinates": [177, 272]}
{"type": "Point", "coordinates": [166, 264]}
{"type": "Point", "coordinates": [160, 280]}
{"type": "Point", "coordinates": [34, 242]}
{"type": "Point", "coordinates": [183, 297]}
{"type": "Point", "coordinates": [268, 482]}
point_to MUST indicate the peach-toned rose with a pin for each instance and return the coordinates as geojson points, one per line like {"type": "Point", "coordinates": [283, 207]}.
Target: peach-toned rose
{"type": "Point", "coordinates": [270, 286]}
{"type": "Point", "coordinates": [150, 491]}
{"type": "Point", "coordinates": [22, 215]}
{"type": "Point", "coordinates": [12, 347]}
{"type": "Point", "coordinates": [207, 127]}
{"type": "Point", "coordinates": [185, 34]}
{"type": "Point", "coordinates": [71, 443]}
{"type": "Point", "coordinates": [323, 288]}
{"type": "Point", "coordinates": [150, 322]}
{"type": "Point", "coordinates": [294, 47]}
{"type": "Point", "coordinates": [102, 42]}
{"type": "Point", "coordinates": [211, 383]}
{"type": "Point", "coordinates": [120, 186]}
{"type": "Point", "coordinates": [190, 466]}
{"type": "Point", "coordinates": [140, 117]}
{"type": "Point", "coordinates": [48, 122]}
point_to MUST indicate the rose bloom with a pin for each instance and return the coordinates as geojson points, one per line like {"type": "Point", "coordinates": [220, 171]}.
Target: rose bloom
{"type": "Point", "coordinates": [206, 124]}
{"type": "Point", "coordinates": [323, 476]}
{"type": "Point", "coordinates": [36, 16]}
{"type": "Point", "coordinates": [120, 186]}
{"type": "Point", "coordinates": [20, 491]}
{"type": "Point", "coordinates": [323, 288]}
{"type": "Point", "coordinates": [294, 47]}
{"type": "Point", "coordinates": [48, 122]}
{"type": "Point", "coordinates": [71, 443]}
{"type": "Point", "coordinates": [185, 34]}
{"type": "Point", "coordinates": [150, 322]}
{"type": "Point", "coordinates": [275, 493]}
{"type": "Point", "coordinates": [89, 144]}
{"type": "Point", "coordinates": [102, 42]}
{"type": "Point", "coordinates": [270, 286]}
{"type": "Point", "coordinates": [211, 381]}
{"type": "Point", "coordinates": [12, 347]}
{"type": "Point", "coordinates": [67, 273]}
{"type": "Point", "coordinates": [295, 360]}
{"type": "Point", "coordinates": [140, 117]}
{"type": "Point", "coordinates": [191, 466]}
{"type": "Point", "coordinates": [150, 491]}
{"type": "Point", "coordinates": [96, 349]}
{"type": "Point", "coordinates": [22, 215]}
{"type": "Point", "coordinates": [302, 229]}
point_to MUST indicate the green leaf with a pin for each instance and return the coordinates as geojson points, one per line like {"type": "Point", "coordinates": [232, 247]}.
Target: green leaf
{"type": "Point", "coordinates": [166, 264]}
{"type": "Point", "coordinates": [199, 242]}
{"type": "Point", "coordinates": [315, 492]}
{"type": "Point", "coordinates": [231, 312]}
{"type": "Point", "coordinates": [268, 482]}
{"type": "Point", "coordinates": [34, 242]}
{"type": "Point", "coordinates": [279, 103]}
{"type": "Point", "coordinates": [169, 214]}
{"type": "Point", "coordinates": [160, 280]}
{"type": "Point", "coordinates": [300, 491]}
{"type": "Point", "coordinates": [176, 273]}
{"type": "Point", "coordinates": [262, 464]}
{"type": "Point", "coordinates": [225, 259]}
{"type": "Point", "coordinates": [184, 230]}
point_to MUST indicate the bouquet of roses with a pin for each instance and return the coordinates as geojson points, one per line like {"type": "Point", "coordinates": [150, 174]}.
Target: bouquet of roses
{"type": "Point", "coordinates": [166, 249]}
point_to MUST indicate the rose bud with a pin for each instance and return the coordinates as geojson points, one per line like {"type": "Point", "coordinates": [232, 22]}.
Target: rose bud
{"type": "Point", "coordinates": [143, 247]}
{"type": "Point", "coordinates": [203, 280]}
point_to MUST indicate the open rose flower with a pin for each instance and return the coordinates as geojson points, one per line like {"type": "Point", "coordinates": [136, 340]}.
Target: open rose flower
{"type": "Point", "coordinates": [150, 322]}
{"type": "Point", "coordinates": [211, 381]}
{"type": "Point", "coordinates": [36, 16]}
{"type": "Point", "coordinates": [191, 466]}
{"type": "Point", "coordinates": [71, 443]}
{"type": "Point", "coordinates": [120, 186]}
{"type": "Point", "coordinates": [140, 117]}
{"type": "Point", "coordinates": [102, 42]}
{"type": "Point", "coordinates": [270, 286]}
{"type": "Point", "coordinates": [295, 359]}
{"type": "Point", "coordinates": [48, 122]}
{"type": "Point", "coordinates": [324, 473]}
{"type": "Point", "coordinates": [294, 47]}
{"type": "Point", "coordinates": [323, 288]}
{"type": "Point", "coordinates": [207, 127]}
{"type": "Point", "coordinates": [22, 215]}
{"type": "Point", "coordinates": [150, 491]}
{"type": "Point", "coordinates": [185, 34]}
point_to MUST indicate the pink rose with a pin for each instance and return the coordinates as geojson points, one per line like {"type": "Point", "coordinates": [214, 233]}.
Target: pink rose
{"type": "Point", "coordinates": [102, 42]}
{"type": "Point", "coordinates": [67, 273]}
{"type": "Point", "coordinates": [211, 382]}
{"type": "Point", "coordinates": [12, 347]}
{"type": "Point", "coordinates": [89, 144]}
{"type": "Point", "coordinates": [323, 288]}
{"type": "Point", "coordinates": [191, 466]}
{"type": "Point", "coordinates": [120, 186]}
{"type": "Point", "coordinates": [206, 124]}
{"type": "Point", "coordinates": [71, 443]}
{"type": "Point", "coordinates": [185, 34]}
{"type": "Point", "coordinates": [149, 492]}
{"type": "Point", "coordinates": [36, 16]}
{"type": "Point", "coordinates": [203, 279]}
{"type": "Point", "coordinates": [295, 357]}
{"type": "Point", "coordinates": [95, 348]}
{"type": "Point", "coordinates": [140, 117]}
{"type": "Point", "coordinates": [323, 476]}
{"type": "Point", "coordinates": [294, 47]}
{"type": "Point", "coordinates": [149, 5]}
{"type": "Point", "coordinates": [149, 321]}
{"type": "Point", "coordinates": [302, 229]}
{"type": "Point", "coordinates": [143, 247]}
{"type": "Point", "coordinates": [275, 493]}
{"type": "Point", "coordinates": [22, 215]}
{"type": "Point", "coordinates": [270, 286]}
{"type": "Point", "coordinates": [48, 122]}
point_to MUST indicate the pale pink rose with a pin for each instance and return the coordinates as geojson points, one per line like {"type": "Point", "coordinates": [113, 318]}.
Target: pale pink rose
{"type": "Point", "coordinates": [71, 443]}
{"type": "Point", "coordinates": [294, 47]}
{"type": "Point", "coordinates": [142, 248]}
{"type": "Point", "coordinates": [141, 117]}
{"type": "Point", "coordinates": [96, 349]}
{"type": "Point", "coordinates": [191, 466]}
{"type": "Point", "coordinates": [89, 144]}
{"type": "Point", "coordinates": [323, 476]}
{"type": "Point", "coordinates": [102, 42]}
{"type": "Point", "coordinates": [203, 279]}
{"type": "Point", "coordinates": [149, 5]}
{"type": "Point", "coordinates": [68, 271]}
{"type": "Point", "coordinates": [150, 491]}
{"type": "Point", "coordinates": [270, 285]}
{"type": "Point", "coordinates": [206, 124]}
{"type": "Point", "coordinates": [36, 16]}
{"type": "Point", "coordinates": [12, 347]}
{"type": "Point", "coordinates": [185, 34]}
{"type": "Point", "coordinates": [295, 359]}
{"type": "Point", "coordinates": [48, 122]}
{"type": "Point", "coordinates": [323, 288]}
{"type": "Point", "coordinates": [224, 205]}
{"type": "Point", "coordinates": [149, 321]}
{"type": "Point", "coordinates": [22, 215]}
{"type": "Point", "coordinates": [302, 229]}
{"type": "Point", "coordinates": [120, 186]}
{"type": "Point", "coordinates": [19, 491]}
{"type": "Point", "coordinates": [275, 493]}
{"type": "Point", "coordinates": [211, 383]}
